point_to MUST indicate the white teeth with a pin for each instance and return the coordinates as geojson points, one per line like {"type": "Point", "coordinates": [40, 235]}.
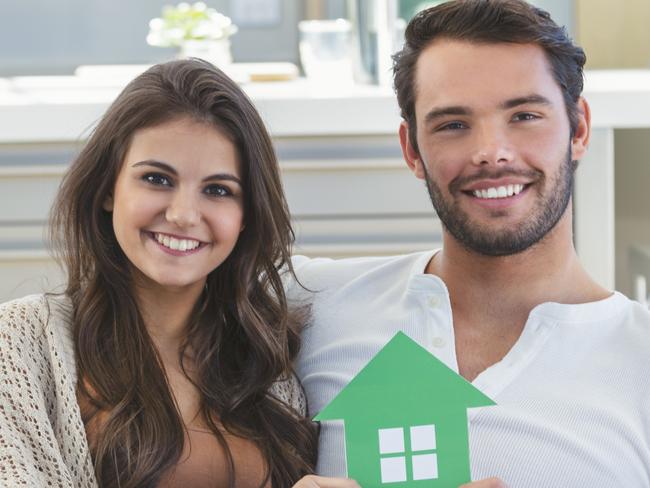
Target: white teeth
{"type": "Point", "coordinates": [177, 244]}
{"type": "Point", "coordinates": [499, 192]}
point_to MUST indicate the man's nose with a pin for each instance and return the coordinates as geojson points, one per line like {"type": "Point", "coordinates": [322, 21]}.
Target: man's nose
{"type": "Point", "coordinates": [492, 146]}
{"type": "Point", "coordinates": [183, 210]}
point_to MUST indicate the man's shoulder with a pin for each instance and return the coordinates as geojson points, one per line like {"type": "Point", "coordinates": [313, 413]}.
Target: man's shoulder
{"type": "Point", "coordinates": [324, 273]}
{"type": "Point", "coordinates": [637, 316]}
{"type": "Point", "coordinates": [624, 323]}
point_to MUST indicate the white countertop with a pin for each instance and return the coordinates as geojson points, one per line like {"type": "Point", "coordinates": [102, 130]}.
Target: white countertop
{"type": "Point", "coordinates": [64, 108]}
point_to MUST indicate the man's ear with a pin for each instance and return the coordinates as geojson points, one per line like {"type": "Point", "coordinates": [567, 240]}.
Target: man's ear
{"type": "Point", "coordinates": [108, 203]}
{"type": "Point", "coordinates": [582, 133]}
{"type": "Point", "coordinates": [411, 155]}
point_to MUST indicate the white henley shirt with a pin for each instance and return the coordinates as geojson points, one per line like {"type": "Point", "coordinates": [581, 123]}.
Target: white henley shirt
{"type": "Point", "coordinates": [573, 394]}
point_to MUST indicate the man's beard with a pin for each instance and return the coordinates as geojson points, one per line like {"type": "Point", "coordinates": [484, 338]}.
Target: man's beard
{"type": "Point", "coordinates": [481, 239]}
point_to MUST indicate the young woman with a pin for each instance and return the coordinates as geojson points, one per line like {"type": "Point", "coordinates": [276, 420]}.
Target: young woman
{"type": "Point", "coordinates": [167, 360]}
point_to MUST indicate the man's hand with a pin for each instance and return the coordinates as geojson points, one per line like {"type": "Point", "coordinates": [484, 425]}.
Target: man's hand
{"type": "Point", "coordinates": [487, 483]}
{"type": "Point", "coordinates": [312, 481]}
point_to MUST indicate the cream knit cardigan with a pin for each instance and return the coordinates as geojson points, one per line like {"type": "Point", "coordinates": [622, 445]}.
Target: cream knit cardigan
{"type": "Point", "coordinates": [42, 437]}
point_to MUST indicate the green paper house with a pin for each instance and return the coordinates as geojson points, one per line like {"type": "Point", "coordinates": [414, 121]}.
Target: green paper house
{"type": "Point", "coordinates": [405, 417]}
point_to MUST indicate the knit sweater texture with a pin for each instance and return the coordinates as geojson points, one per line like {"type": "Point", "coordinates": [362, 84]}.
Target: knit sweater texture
{"type": "Point", "coordinates": [42, 436]}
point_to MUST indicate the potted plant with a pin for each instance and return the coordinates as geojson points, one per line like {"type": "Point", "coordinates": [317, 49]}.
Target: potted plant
{"type": "Point", "coordinates": [197, 30]}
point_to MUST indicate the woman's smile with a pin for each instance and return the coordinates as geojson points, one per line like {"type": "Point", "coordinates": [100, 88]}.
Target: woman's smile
{"type": "Point", "coordinates": [176, 245]}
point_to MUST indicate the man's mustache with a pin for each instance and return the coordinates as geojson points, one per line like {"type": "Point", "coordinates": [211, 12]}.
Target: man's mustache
{"type": "Point", "coordinates": [490, 174]}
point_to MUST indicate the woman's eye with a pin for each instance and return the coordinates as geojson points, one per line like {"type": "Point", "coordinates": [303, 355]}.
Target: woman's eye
{"type": "Point", "coordinates": [217, 191]}
{"type": "Point", "coordinates": [157, 179]}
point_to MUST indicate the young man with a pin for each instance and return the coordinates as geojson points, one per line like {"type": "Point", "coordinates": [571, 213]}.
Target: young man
{"type": "Point", "coordinates": [494, 125]}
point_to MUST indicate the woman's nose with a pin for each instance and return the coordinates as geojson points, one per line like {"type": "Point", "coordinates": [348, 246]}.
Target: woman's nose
{"type": "Point", "coordinates": [183, 210]}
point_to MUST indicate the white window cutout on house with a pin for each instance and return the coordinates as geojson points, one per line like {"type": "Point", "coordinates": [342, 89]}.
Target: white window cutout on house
{"type": "Point", "coordinates": [394, 456]}
{"type": "Point", "coordinates": [391, 441]}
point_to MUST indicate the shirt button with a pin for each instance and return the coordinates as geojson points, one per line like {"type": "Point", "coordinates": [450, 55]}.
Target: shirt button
{"type": "Point", "coordinates": [438, 342]}
{"type": "Point", "coordinates": [434, 302]}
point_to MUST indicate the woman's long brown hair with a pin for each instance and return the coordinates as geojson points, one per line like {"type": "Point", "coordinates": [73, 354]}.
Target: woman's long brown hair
{"type": "Point", "coordinates": [241, 334]}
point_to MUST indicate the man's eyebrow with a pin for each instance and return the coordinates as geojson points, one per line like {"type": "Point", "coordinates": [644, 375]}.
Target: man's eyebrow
{"type": "Point", "coordinates": [529, 99]}
{"type": "Point", "coordinates": [170, 169]}
{"type": "Point", "coordinates": [437, 113]}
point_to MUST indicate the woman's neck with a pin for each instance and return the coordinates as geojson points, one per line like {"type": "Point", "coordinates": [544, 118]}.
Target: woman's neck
{"type": "Point", "coordinates": [166, 313]}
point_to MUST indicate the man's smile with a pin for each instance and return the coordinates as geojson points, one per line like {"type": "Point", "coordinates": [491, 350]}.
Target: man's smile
{"type": "Point", "coordinates": [499, 191]}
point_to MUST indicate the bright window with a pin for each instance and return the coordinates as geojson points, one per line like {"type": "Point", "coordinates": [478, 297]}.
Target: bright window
{"type": "Point", "coordinates": [419, 460]}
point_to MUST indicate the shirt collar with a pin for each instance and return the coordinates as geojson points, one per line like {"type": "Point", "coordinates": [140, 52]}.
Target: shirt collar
{"type": "Point", "coordinates": [421, 282]}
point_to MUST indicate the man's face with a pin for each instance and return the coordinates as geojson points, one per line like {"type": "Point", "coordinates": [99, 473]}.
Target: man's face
{"type": "Point", "coordinates": [494, 143]}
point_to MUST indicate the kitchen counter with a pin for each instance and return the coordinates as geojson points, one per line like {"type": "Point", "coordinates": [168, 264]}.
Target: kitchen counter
{"type": "Point", "coordinates": [61, 108]}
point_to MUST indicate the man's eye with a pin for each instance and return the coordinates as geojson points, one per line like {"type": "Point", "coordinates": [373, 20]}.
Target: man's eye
{"type": "Point", "coordinates": [157, 179]}
{"type": "Point", "coordinates": [452, 126]}
{"type": "Point", "coordinates": [525, 116]}
{"type": "Point", "coordinates": [217, 191]}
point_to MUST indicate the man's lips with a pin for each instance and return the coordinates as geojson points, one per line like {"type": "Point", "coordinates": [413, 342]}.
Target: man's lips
{"type": "Point", "coordinates": [486, 183]}
{"type": "Point", "coordinates": [486, 178]}
{"type": "Point", "coordinates": [505, 187]}
{"type": "Point", "coordinates": [497, 191]}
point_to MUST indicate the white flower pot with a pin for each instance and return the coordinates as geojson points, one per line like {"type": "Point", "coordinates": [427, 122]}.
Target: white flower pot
{"type": "Point", "coordinates": [216, 52]}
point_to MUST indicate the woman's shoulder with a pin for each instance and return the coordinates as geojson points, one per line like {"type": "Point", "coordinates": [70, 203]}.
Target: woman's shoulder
{"type": "Point", "coordinates": [35, 324]}
{"type": "Point", "coordinates": [33, 312]}
{"type": "Point", "coordinates": [289, 391]}
{"type": "Point", "coordinates": [23, 313]}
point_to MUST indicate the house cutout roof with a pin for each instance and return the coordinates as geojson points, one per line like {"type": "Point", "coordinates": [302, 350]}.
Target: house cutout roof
{"type": "Point", "coordinates": [403, 393]}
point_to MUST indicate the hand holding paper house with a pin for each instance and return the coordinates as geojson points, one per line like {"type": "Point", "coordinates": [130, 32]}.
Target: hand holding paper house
{"type": "Point", "coordinates": [405, 417]}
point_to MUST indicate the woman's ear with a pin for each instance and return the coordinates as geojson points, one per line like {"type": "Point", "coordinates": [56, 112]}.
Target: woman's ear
{"type": "Point", "coordinates": [108, 203]}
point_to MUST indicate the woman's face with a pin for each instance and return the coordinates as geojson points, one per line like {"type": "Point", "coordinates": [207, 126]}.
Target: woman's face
{"type": "Point", "coordinates": [178, 203]}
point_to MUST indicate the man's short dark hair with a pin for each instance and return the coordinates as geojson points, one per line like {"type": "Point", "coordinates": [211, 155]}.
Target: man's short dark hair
{"type": "Point", "coordinates": [488, 21]}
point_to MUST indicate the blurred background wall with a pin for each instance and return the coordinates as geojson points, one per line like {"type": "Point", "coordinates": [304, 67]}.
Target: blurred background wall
{"type": "Point", "coordinates": [39, 37]}
{"type": "Point", "coordinates": [45, 37]}
{"type": "Point", "coordinates": [54, 37]}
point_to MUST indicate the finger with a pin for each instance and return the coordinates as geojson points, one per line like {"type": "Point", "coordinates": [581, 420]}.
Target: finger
{"type": "Point", "coordinates": [313, 481]}
{"type": "Point", "coordinates": [486, 483]}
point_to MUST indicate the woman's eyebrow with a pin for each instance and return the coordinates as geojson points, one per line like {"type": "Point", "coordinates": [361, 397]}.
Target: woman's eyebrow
{"type": "Point", "coordinates": [156, 164]}
{"type": "Point", "coordinates": [223, 176]}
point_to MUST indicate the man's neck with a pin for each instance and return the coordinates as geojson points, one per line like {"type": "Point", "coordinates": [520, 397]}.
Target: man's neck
{"type": "Point", "coordinates": [492, 297]}
{"type": "Point", "coordinates": [548, 271]}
